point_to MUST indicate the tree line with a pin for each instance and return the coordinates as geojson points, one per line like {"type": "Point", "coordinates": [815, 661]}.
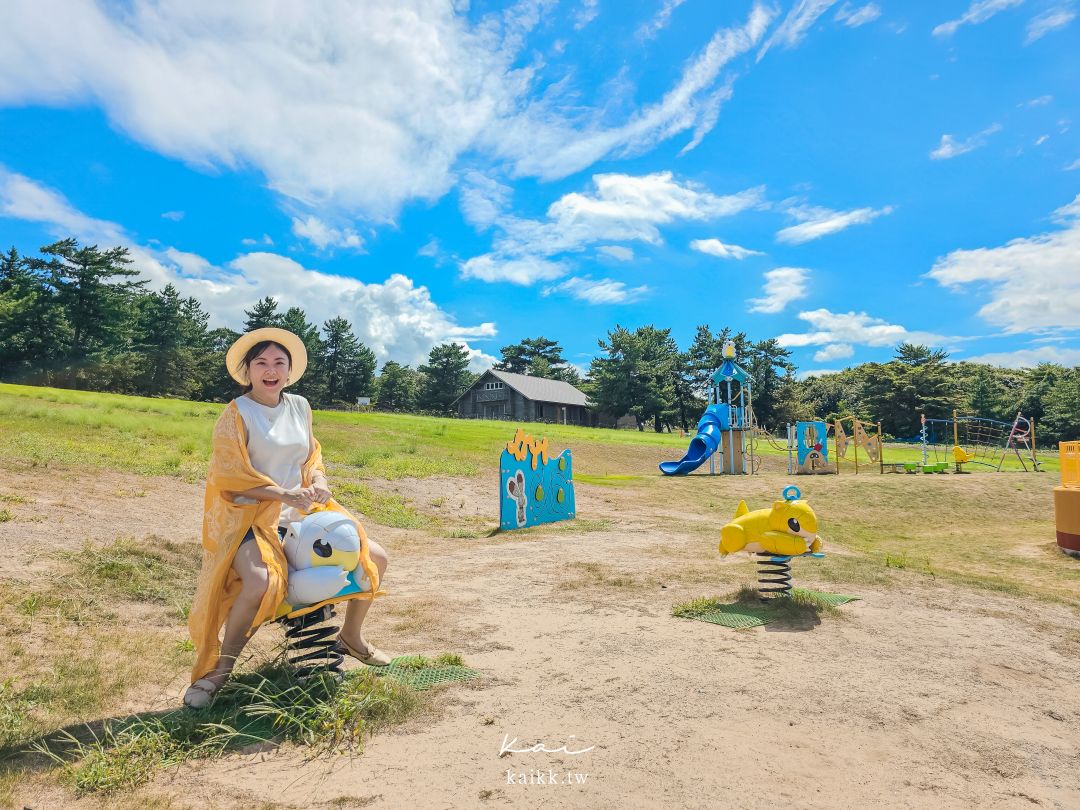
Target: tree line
{"type": "Point", "coordinates": [80, 317]}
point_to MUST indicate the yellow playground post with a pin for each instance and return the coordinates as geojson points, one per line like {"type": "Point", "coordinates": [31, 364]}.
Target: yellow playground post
{"type": "Point", "coordinates": [1067, 500]}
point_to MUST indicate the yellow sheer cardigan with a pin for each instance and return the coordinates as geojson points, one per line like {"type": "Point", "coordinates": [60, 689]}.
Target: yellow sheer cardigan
{"type": "Point", "coordinates": [225, 523]}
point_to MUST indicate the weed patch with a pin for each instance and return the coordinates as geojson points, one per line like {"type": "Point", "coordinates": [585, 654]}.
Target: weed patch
{"type": "Point", "coordinates": [382, 508]}
{"type": "Point", "coordinates": [151, 570]}
{"type": "Point", "coordinates": [267, 705]}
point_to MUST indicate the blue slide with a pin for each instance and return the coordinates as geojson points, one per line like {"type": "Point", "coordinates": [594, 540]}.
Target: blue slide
{"type": "Point", "coordinates": [713, 422]}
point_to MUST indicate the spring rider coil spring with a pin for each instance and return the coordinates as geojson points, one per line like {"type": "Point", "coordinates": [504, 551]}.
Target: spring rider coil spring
{"type": "Point", "coordinates": [310, 645]}
{"type": "Point", "coordinates": [774, 575]}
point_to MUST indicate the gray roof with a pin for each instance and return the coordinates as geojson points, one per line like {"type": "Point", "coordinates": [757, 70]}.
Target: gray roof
{"type": "Point", "coordinates": [540, 389]}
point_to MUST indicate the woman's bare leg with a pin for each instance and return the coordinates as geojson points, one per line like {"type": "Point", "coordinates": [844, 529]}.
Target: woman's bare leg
{"type": "Point", "coordinates": [251, 569]}
{"type": "Point", "coordinates": [352, 627]}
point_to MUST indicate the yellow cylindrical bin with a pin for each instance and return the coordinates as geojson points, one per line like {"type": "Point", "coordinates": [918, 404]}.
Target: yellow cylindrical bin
{"type": "Point", "coordinates": [1067, 500]}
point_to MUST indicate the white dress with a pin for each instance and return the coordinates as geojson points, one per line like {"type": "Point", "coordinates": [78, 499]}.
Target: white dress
{"type": "Point", "coordinates": [278, 443]}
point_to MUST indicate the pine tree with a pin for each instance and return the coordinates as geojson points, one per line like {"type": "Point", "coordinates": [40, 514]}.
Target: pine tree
{"type": "Point", "coordinates": [262, 315]}
{"type": "Point", "coordinates": [537, 357]}
{"type": "Point", "coordinates": [32, 325]}
{"type": "Point", "coordinates": [445, 377]}
{"type": "Point", "coordinates": [397, 388]}
{"type": "Point", "coordinates": [170, 337]}
{"type": "Point", "coordinates": [515, 359]}
{"type": "Point", "coordinates": [341, 353]}
{"type": "Point", "coordinates": [91, 286]}
{"type": "Point", "coordinates": [313, 384]}
{"type": "Point", "coordinates": [984, 397]}
{"type": "Point", "coordinates": [638, 375]}
{"type": "Point", "coordinates": [773, 380]}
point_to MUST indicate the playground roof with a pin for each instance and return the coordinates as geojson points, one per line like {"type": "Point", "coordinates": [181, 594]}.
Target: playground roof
{"type": "Point", "coordinates": [731, 371]}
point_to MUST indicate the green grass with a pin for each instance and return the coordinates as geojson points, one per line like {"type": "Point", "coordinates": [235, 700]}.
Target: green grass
{"type": "Point", "coordinates": [151, 570]}
{"type": "Point", "coordinates": [48, 426]}
{"type": "Point", "coordinates": [606, 480]}
{"type": "Point", "coordinates": [267, 705]}
{"type": "Point", "coordinates": [799, 606]}
{"type": "Point", "coordinates": [382, 508]}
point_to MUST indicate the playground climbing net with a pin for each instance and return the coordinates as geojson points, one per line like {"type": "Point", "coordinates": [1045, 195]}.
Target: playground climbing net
{"type": "Point", "coordinates": [980, 441]}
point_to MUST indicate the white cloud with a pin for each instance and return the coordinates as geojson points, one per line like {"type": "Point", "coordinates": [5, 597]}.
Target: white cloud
{"type": "Point", "coordinates": [523, 270]}
{"type": "Point", "coordinates": [978, 12]}
{"type": "Point", "coordinates": [431, 249]}
{"type": "Point", "coordinates": [856, 328]}
{"type": "Point", "coordinates": [950, 147]}
{"type": "Point", "coordinates": [1050, 20]}
{"type": "Point", "coordinates": [25, 199]}
{"type": "Point", "coordinates": [324, 236]}
{"type": "Point", "coordinates": [175, 216]}
{"type": "Point", "coordinates": [793, 29]}
{"type": "Point", "coordinates": [1041, 140]}
{"type": "Point", "coordinates": [1040, 101]}
{"type": "Point", "coordinates": [395, 318]}
{"type": "Point", "coordinates": [834, 351]}
{"type": "Point", "coordinates": [310, 95]}
{"type": "Point", "coordinates": [551, 142]}
{"type": "Point", "coordinates": [1073, 166]}
{"type": "Point", "coordinates": [625, 207]}
{"type": "Point", "coordinates": [714, 247]}
{"type": "Point", "coordinates": [816, 372]}
{"type": "Point", "coordinates": [1026, 358]}
{"type": "Point", "coordinates": [586, 14]}
{"type": "Point", "coordinates": [599, 291]}
{"type": "Point", "coordinates": [617, 252]}
{"type": "Point", "coordinates": [782, 286]}
{"type": "Point", "coordinates": [266, 240]}
{"type": "Point", "coordinates": [483, 199]}
{"type": "Point", "coordinates": [660, 21]}
{"type": "Point", "coordinates": [854, 17]}
{"type": "Point", "coordinates": [816, 222]}
{"type": "Point", "coordinates": [1034, 282]}
{"type": "Point", "coordinates": [619, 208]}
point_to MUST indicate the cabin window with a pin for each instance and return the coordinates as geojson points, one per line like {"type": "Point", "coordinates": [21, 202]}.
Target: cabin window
{"type": "Point", "coordinates": [493, 386]}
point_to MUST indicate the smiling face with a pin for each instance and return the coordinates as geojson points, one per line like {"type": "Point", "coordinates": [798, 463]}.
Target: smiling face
{"type": "Point", "coordinates": [269, 372]}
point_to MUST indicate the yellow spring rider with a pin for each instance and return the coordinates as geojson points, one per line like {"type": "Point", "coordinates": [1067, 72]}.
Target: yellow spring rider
{"type": "Point", "coordinates": [786, 529]}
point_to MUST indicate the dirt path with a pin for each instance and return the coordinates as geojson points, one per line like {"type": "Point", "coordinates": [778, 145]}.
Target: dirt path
{"type": "Point", "coordinates": [925, 695]}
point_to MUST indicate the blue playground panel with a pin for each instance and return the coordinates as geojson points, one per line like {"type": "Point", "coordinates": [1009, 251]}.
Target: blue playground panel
{"type": "Point", "coordinates": [546, 497]}
{"type": "Point", "coordinates": [820, 443]}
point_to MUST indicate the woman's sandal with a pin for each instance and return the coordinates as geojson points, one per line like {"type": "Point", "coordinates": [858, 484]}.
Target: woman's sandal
{"type": "Point", "coordinates": [201, 693]}
{"type": "Point", "coordinates": [373, 658]}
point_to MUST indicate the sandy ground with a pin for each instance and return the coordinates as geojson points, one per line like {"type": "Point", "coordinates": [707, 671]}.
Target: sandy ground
{"type": "Point", "coordinates": [920, 695]}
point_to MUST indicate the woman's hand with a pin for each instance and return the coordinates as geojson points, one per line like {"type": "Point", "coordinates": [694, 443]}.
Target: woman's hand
{"type": "Point", "coordinates": [320, 490]}
{"type": "Point", "coordinates": [301, 498]}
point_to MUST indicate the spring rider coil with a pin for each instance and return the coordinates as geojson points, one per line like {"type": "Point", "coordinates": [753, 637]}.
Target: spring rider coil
{"type": "Point", "coordinates": [310, 644]}
{"type": "Point", "coordinates": [774, 575]}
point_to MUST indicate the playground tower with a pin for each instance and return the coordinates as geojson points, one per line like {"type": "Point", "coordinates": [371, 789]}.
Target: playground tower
{"type": "Point", "coordinates": [726, 428]}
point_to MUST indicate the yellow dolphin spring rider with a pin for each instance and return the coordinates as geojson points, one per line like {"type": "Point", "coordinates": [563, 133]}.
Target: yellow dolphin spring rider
{"type": "Point", "coordinates": [786, 529]}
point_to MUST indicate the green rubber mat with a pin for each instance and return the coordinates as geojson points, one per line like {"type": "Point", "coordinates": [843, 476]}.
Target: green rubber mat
{"type": "Point", "coordinates": [829, 598]}
{"type": "Point", "coordinates": [405, 670]}
{"type": "Point", "coordinates": [739, 617]}
{"type": "Point", "coordinates": [742, 616]}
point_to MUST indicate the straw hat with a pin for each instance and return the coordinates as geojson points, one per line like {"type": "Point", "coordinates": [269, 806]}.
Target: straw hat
{"type": "Point", "coordinates": [286, 338]}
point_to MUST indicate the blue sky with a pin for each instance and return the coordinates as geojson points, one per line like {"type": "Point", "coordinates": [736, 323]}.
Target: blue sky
{"type": "Point", "coordinates": [841, 175]}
